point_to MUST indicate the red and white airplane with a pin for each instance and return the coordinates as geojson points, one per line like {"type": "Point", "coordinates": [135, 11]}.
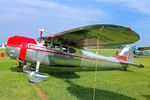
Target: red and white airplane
{"type": "Point", "coordinates": [67, 49]}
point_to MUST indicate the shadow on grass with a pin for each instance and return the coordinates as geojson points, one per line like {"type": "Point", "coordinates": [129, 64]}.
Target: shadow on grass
{"type": "Point", "coordinates": [15, 69]}
{"type": "Point", "coordinates": [65, 75]}
{"type": "Point", "coordinates": [61, 75]}
{"type": "Point", "coordinates": [85, 93]}
{"type": "Point", "coordinates": [147, 97]}
{"type": "Point", "coordinates": [145, 57]}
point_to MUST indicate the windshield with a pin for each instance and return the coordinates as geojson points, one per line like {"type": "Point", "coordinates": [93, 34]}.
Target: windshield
{"type": "Point", "coordinates": [38, 40]}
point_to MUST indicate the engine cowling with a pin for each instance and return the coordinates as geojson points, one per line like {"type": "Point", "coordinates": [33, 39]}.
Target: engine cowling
{"type": "Point", "coordinates": [22, 43]}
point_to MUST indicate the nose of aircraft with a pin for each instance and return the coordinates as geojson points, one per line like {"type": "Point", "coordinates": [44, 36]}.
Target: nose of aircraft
{"type": "Point", "coordinates": [17, 46]}
{"type": "Point", "coordinates": [13, 46]}
{"type": "Point", "coordinates": [15, 41]}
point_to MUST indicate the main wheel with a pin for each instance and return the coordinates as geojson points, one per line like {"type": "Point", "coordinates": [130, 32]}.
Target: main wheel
{"type": "Point", "coordinates": [125, 68]}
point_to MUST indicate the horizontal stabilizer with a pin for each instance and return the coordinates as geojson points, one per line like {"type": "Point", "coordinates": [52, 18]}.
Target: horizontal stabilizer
{"type": "Point", "coordinates": [136, 65]}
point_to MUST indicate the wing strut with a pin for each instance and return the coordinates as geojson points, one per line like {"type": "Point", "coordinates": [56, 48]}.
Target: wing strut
{"type": "Point", "coordinates": [97, 52]}
{"type": "Point", "coordinates": [37, 66]}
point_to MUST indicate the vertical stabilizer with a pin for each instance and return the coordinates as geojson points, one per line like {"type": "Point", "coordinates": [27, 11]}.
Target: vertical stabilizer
{"type": "Point", "coordinates": [126, 54]}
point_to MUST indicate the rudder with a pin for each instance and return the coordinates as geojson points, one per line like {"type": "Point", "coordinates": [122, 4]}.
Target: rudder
{"type": "Point", "coordinates": [126, 54]}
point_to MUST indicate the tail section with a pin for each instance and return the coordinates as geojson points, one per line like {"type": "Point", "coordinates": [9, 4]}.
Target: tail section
{"type": "Point", "coordinates": [126, 54]}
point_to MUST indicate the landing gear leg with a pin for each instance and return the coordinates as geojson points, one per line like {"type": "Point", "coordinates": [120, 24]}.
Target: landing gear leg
{"type": "Point", "coordinates": [20, 66]}
{"type": "Point", "coordinates": [125, 68]}
{"type": "Point", "coordinates": [37, 66]}
{"type": "Point", "coordinates": [35, 76]}
{"type": "Point", "coordinates": [25, 63]}
{"type": "Point", "coordinates": [20, 63]}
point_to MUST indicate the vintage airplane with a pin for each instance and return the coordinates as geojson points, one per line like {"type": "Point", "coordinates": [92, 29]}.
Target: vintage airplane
{"type": "Point", "coordinates": [141, 51]}
{"type": "Point", "coordinates": [67, 49]}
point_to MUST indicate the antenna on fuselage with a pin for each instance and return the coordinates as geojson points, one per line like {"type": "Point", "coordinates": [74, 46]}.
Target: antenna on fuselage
{"type": "Point", "coordinates": [97, 51]}
{"type": "Point", "coordinates": [41, 32]}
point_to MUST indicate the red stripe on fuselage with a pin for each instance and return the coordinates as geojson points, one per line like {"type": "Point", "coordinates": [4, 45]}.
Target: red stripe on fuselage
{"type": "Point", "coordinates": [43, 49]}
{"type": "Point", "coordinates": [121, 57]}
{"type": "Point", "coordinates": [22, 43]}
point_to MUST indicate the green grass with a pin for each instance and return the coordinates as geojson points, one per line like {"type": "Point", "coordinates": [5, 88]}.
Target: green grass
{"type": "Point", "coordinates": [14, 85]}
{"type": "Point", "coordinates": [111, 85]}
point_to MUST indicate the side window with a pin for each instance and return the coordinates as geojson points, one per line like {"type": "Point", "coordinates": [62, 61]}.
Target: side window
{"type": "Point", "coordinates": [64, 48]}
{"type": "Point", "coordinates": [57, 47]}
{"type": "Point", "coordinates": [71, 50]}
{"type": "Point", "coordinates": [68, 50]}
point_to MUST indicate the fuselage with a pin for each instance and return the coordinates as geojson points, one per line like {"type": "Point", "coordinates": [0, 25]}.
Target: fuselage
{"type": "Point", "coordinates": [32, 52]}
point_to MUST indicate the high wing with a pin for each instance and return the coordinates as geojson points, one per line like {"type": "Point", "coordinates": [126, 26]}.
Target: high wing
{"type": "Point", "coordinates": [111, 35]}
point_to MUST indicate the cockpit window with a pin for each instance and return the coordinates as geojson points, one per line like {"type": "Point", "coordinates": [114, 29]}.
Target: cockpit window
{"type": "Point", "coordinates": [64, 48]}
{"type": "Point", "coordinates": [56, 46]}
{"type": "Point", "coordinates": [71, 50]}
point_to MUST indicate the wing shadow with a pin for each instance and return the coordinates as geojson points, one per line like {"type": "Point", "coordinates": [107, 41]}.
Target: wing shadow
{"type": "Point", "coordinates": [147, 97]}
{"type": "Point", "coordinates": [65, 75]}
{"type": "Point", "coordinates": [85, 93]}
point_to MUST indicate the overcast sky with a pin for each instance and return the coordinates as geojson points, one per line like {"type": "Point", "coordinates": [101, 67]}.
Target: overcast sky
{"type": "Point", "coordinates": [25, 17]}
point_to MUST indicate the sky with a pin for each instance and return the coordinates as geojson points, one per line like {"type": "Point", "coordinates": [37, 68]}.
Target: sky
{"type": "Point", "coordinates": [26, 17]}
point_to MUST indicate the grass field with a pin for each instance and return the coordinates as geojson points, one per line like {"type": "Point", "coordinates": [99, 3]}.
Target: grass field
{"type": "Point", "coordinates": [133, 84]}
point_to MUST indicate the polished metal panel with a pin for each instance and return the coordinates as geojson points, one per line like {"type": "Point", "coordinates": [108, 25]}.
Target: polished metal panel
{"type": "Point", "coordinates": [13, 52]}
{"type": "Point", "coordinates": [43, 57]}
{"type": "Point", "coordinates": [81, 59]}
{"type": "Point", "coordinates": [103, 62]}
{"type": "Point", "coordinates": [31, 55]}
{"type": "Point", "coordinates": [84, 59]}
{"type": "Point", "coordinates": [64, 59]}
